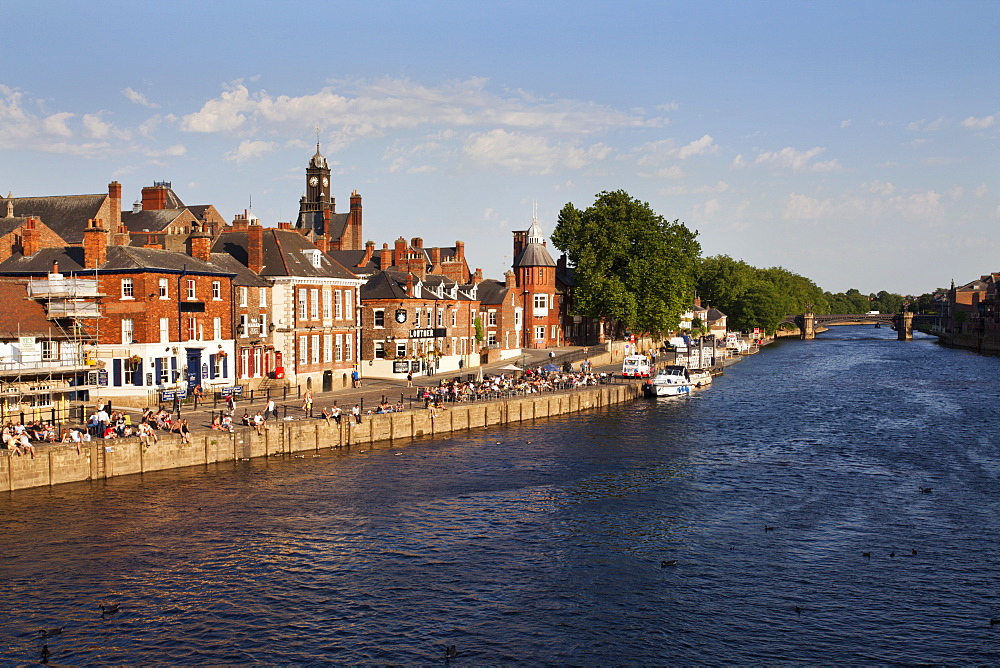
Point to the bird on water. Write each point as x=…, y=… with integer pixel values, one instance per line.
x=866, y=555
x=109, y=608
x=450, y=652
x=668, y=562
x=48, y=633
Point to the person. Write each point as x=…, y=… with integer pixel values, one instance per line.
x=198, y=392
x=335, y=413
x=307, y=403
x=356, y=412
x=326, y=415
x=409, y=379
x=231, y=403
x=227, y=424
x=355, y=378
x=216, y=422
x=185, y=432
x=102, y=420
x=259, y=422
x=246, y=419
x=271, y=409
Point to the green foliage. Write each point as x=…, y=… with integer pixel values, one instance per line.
x=478, y=322
x=753, y=297
x=630, y=264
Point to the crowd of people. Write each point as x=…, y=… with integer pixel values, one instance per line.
x=533, y=381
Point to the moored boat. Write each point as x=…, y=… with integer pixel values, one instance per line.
x=700, y=377
x=670, y=381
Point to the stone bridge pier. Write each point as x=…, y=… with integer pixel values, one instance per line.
x=904, y=330
x=808, y=328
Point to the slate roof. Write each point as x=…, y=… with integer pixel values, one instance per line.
x=534, y=255
x=715, y=315
x=384, y=286
x=22, y=316
x=155, y=220
x=313, y=220
x=349, y=259
x=243, y=274
x=119, y=259
x=490, y=292
x=8, y=225
x=284, y=254
x=66, y=215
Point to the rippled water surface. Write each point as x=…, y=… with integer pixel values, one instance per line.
x=543, y=542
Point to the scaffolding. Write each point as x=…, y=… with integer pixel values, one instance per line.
x=46, y=376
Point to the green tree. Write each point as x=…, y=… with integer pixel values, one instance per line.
x=631, y=265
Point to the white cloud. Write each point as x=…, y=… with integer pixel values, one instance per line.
x=174, y=151
x=56, y=124
x=974, y=123
x=789, y=158
x=669, y=106
x=697, y=147
x=95, y=127
x=249, y=150
x=673, y=191
x=674, y=172
x=879, y=188
x=846, y=124
x=531, y=154
x=373, y=108
x=138, y=98
x=981, y=190
x=738, y=162
x=802, y=207
x=924, y=126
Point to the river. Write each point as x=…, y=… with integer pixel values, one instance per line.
x=544, y=543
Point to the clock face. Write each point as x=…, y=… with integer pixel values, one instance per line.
x=313, y=181
x=400, y=315
x=326, y=182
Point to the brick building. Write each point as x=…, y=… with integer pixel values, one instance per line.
x=161, y=218
x=308, y=329
x=420, y=324
x=318, y=218
x=501, y=314
x=535, y=275
x=24, y=235
x=165, y=317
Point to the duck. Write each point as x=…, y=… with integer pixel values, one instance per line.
x=111, y=608
x=798, y=610
x=668, y=562
x=926, y=490
x=866, y=555
x=48, y=633
x=767, y=528
x=450, y=652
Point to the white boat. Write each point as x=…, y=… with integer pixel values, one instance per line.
x=700, y=377
x=671, y=381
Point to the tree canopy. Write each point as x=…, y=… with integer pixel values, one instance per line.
x=753, y=297
x=630, y=264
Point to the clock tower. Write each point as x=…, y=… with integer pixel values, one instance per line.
x=318, y=217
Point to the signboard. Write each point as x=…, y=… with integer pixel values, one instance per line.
x=415, y=367
x=400, y=367
x=167, y=395
x=204, y=369
x=102, y=378
x=27, y=344
x=226, y=391
x=436, y=332
x=401, y=315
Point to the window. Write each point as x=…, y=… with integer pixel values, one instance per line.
x=400, y=349
x=314, y=255
x=491, y=318
x=348, y=311
x=416, y=317
x=491, y=339
x=164, y=330
x=328, y=347
x=430, y=314
x=216, y=290
x=326, y=304
x=314, y=304
x=218, y=365
x=440, y=318
x=517, y=318
x=192, y=328
x=541, y=302
x=541, y=273
x=379, y=317
x=347, y=347
x=338, y=306
x=454, y=317
x=262, y=297
x=190, y=289
x=243, y=327
x=315, y=348
x=164, y=288
x=164, y=367
x=216, y=328
x=48, y=349
x=339, y=350
x=130, y=370
x=553, y=332
x=379, y=350
x=540, y=332
x=128, y=289
x=303, y=350
x=263, y=324
x=128, y=331
x=302, y=304
x=242, y=292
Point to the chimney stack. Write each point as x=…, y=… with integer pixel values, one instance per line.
x=510, y=281
x=409, y=284
x=95, y=244
x=477, y=276
x=151, y=242
x=121, y=236
x=154, y=197
x=200, y=245
x=385, y=258
x=369, y=251
x=460, y=250
x=115, y=202
x=352, y=241
x=399, y=253
x=30, y=237
x=255, y=248
x=284, y=226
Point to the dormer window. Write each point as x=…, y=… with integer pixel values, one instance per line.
x=315, y=257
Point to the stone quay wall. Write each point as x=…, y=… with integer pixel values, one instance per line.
x=61, y=463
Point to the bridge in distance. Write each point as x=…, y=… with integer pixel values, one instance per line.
x=901, y=322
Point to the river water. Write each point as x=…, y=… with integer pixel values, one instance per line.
x=544, y=542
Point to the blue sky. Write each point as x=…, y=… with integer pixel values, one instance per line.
x=855, y=143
